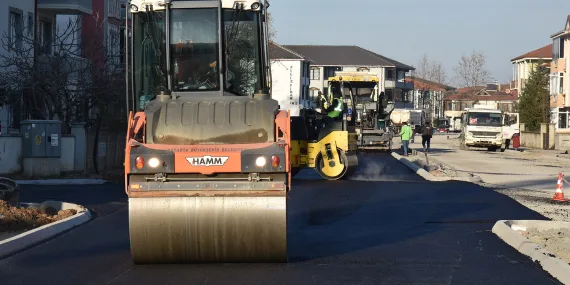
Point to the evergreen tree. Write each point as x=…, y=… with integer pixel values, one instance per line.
x=534, y=102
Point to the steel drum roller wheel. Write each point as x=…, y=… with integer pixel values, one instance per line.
x=349, y=163
x=208, y=229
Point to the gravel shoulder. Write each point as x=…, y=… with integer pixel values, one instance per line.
x=529, y=177
x=556, y=241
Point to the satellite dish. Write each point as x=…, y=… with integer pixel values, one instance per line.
x=508, y=91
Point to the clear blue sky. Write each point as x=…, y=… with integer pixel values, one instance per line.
x=444, y=29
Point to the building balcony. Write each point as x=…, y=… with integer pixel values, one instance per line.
x=65, y=7
x=404, y=85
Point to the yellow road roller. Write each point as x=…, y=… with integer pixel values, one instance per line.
x=324, y=143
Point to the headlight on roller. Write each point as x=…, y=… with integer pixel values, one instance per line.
x=153, y=162
x=260, y=161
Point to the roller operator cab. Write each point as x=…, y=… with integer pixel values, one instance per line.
x=207, y=158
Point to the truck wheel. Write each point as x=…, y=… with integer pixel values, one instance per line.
x=507, y=144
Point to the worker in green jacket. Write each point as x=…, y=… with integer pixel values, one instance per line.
x=335, y=109
x=406, y=134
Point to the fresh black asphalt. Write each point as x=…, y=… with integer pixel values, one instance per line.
x=384, y=226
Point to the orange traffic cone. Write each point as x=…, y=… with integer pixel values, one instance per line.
x=559, y=195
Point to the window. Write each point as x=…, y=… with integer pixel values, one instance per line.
x=564, y=118
x=562, y=48
x=315, y=73
x=30, y=28
x=561, y=79
x=114, y=42
x=390, y=74
x=15, y=28
x=115, y=9
x=45, y=37
x=556, y=49
x=389, y=94
x=330, y=71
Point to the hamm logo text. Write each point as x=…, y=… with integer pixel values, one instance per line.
x=207, y=160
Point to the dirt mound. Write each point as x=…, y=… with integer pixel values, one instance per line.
x=555, y=241
x=22, y=219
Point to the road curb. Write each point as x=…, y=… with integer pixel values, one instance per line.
x=555, y=266
x=418, y=170
x=37, y=235
x=472, y=179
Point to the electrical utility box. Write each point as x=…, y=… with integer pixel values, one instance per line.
x=41, y=138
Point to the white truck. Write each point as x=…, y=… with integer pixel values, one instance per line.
x=483, y=126
x=454, y=118
x=399, y=116
x=511, y=126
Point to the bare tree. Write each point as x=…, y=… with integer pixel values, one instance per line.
x=470, y=70
x=430, y=70
x=43, y=75
x=60, y=78
x=437, y=73
x=423, y=68
x=271, y=31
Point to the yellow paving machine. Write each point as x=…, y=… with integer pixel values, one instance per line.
x=371, y=110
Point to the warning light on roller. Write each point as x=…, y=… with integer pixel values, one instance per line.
x=260, y=161
x=275, y=161
x=139, y=162
x=153, y=162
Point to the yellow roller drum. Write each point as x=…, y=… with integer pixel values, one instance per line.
x=208, y=229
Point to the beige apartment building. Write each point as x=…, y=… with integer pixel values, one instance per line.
x=560, y=86
x=560, y=79
x=524, y=64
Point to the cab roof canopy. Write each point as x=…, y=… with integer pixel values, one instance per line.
x=138, y=5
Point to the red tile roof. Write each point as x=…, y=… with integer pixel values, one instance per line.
x=543, y=52
x=477, y=93
x=420, y=83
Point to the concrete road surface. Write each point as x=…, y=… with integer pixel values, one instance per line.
x=531, y=169
x=385, y=226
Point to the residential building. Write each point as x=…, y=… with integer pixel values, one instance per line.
x=524, y=64
x=29, y=20
x=289, y=78
x=498, y=96
x=428, y=95
x=18, y=26
x=560, y=78
x=326, y=60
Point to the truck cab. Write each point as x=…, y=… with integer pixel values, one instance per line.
x=511, y=126
x=482, y=127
